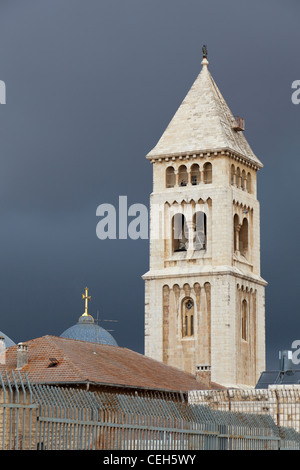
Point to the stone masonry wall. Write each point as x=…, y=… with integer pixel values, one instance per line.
x=282, y=402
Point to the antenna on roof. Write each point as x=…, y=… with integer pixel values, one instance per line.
x=96, y=322
x=96, y=331
x=102, y=319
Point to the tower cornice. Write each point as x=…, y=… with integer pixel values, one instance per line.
x=207, y=153
x=205, y=273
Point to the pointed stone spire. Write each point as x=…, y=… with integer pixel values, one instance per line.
x=203, y=123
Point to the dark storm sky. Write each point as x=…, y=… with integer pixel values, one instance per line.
x=91, y=86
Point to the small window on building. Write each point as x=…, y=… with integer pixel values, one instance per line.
x=182, y=176
x=187, y=317
x=195, y=174
x=244, y=320
x=207, y=173
x=170, y=177
x=179, y=233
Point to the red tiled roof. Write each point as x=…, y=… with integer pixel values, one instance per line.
x=83, y=362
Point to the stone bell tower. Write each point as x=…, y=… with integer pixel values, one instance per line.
x=204, y=296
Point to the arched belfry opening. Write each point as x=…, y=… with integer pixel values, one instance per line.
x=207, y=173
x=195, y=174
x=243, y=238
x=170, y=177
x=200, y=224
x=180, y=235
x=182, y=175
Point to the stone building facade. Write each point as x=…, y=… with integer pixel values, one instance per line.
x=282, y=402
x=204, y=295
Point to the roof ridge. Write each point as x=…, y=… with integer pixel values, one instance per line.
x=112, y=366
x=152, y=359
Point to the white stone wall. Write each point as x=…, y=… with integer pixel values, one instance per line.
x=281, y=402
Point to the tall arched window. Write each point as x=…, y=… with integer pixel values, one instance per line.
x=207, y=173
x=249, y=183
x=195, y=174
x=199, y=220
x=179, y=233
x=244, y=325
x=170, y=177
x=243, y=182
x=237, y=177
x=236, y=228
x=187, y=315
x=232, y=174
x=182, y=175
x=243, y=239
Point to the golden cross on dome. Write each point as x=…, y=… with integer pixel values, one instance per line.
x=86, y=297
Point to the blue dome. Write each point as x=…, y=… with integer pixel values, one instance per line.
x=87, y=330
x=8, y=342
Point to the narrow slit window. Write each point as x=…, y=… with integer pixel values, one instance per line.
x=187, y=317
x=244, y=320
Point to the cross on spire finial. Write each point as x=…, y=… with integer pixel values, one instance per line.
x=204, y=60
x=86, y=298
